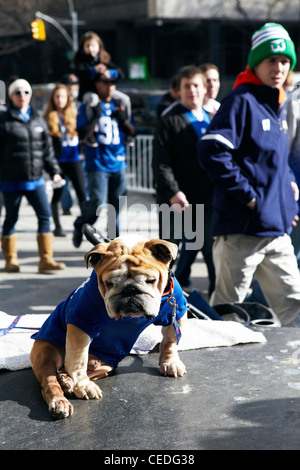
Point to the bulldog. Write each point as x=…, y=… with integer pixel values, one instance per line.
x=89, y=333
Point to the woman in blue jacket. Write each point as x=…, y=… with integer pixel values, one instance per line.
x=245, y=152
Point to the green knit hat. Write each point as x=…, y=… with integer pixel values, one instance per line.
x=271, y=39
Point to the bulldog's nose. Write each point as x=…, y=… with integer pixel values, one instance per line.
x=130, y=290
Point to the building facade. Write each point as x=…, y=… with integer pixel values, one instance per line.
x=149, y=39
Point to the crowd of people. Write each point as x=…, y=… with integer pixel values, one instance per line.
x=238, y=159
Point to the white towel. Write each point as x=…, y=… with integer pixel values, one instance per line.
x=16, y=344
x=197, y=334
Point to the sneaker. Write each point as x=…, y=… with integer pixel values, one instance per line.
x=58, y=232
x=77, y=237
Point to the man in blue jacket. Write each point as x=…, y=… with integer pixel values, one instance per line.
x=245, y=152
x=106, y=119
x=178, y=178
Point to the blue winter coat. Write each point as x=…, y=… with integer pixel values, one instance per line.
x=245, y=151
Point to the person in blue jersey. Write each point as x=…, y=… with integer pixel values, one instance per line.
x=245, y=151
x=26, y=151
x=178, y=177
x=105, y=162
x=61, y=117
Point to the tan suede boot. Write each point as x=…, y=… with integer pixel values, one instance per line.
x=47, y=263
x=9, y=248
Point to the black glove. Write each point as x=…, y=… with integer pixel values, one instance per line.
x=120, y=115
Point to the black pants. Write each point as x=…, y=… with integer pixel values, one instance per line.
x=75, y=173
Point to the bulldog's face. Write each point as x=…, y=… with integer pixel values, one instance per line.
x=132, y=274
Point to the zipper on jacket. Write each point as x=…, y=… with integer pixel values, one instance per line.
x=279, y=124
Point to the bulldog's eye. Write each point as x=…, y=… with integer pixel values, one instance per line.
x=108, y=284
x=150, y=281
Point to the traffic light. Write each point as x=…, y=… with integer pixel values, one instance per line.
x=38, y=30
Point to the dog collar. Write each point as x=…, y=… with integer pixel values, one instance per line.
x=170, y=286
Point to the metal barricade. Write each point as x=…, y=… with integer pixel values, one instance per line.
x=139, y=160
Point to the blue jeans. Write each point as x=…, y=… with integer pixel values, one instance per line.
x=39, y=202
x=104, y=188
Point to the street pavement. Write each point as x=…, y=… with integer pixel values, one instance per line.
x=29, y=292
x=239, y=398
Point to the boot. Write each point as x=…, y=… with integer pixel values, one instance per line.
x=47, y=263
x=9, y=248
x=58, y=231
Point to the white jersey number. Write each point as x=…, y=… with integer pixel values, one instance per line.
x=109, y=131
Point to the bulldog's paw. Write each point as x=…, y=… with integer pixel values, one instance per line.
x=174, y=368
x=87, y=389
x=60, y=408
x=66, y=382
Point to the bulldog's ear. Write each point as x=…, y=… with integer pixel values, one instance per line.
x=95, y=255
x=162, y=250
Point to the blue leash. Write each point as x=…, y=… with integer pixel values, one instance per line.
x=4, y=331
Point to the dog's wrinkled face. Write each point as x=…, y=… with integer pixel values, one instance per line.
x=132, y=274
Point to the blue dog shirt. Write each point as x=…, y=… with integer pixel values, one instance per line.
x=111, y=340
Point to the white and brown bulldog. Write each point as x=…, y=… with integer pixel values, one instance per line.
x=96, y=326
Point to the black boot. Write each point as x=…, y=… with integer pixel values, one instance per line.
x=58, y=231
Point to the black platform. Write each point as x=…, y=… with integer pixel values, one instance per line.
x=241, y=397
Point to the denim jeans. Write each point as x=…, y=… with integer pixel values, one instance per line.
x=104, y=188
x=39, y=202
